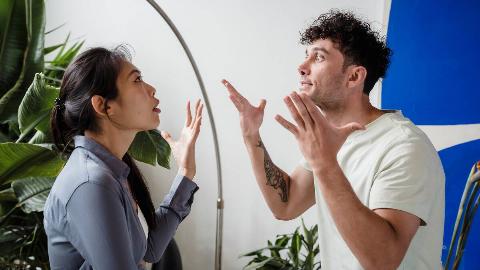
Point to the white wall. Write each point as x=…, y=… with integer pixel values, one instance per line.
x=255, y=45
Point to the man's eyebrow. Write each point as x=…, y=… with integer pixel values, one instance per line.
x=315, y=49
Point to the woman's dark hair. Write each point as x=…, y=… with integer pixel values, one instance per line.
x=359, y=44
x=94, y=72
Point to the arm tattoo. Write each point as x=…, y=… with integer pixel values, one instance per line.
x=275, y=177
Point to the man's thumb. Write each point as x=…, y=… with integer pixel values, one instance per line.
x=352, y=127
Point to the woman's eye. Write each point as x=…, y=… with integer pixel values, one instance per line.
x=139, y=79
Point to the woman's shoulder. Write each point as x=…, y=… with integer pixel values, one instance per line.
x=83, y=168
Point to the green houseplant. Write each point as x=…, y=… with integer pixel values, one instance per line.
x=296, y=251
x=28, y=163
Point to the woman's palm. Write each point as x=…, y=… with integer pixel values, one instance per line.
x=183, y=149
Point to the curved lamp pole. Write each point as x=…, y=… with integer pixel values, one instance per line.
x=219, y=226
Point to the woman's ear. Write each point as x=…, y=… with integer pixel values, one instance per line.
x=98, y=104
x=357, y=77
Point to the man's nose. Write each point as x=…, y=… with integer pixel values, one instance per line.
x=303, y=68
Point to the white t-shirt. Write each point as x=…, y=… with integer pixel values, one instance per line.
x=391, y=164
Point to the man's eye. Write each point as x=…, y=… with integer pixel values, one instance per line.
x=319, y=57
x=139, y=79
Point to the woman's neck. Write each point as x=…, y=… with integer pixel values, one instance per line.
x=115, y=141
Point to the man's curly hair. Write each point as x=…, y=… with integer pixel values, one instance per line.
x=359, y=44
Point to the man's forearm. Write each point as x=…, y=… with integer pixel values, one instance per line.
x=273, y=182
x=275, y=177
x=370, y=237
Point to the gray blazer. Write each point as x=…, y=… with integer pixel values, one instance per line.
x=90, y=219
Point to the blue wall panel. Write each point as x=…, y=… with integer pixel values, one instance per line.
x=433, y=79
x=435, y=70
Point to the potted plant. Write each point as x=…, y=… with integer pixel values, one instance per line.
x=296, y=251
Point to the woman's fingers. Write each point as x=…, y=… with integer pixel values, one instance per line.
x=286, y=124
x=197, y=105
x=199, y=110
x=196, y=128
x=167, y=137
x=195, y=115
x=189, y=115
x=197, y=122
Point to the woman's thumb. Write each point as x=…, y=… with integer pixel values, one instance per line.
x=166, y=136
x=262, y=105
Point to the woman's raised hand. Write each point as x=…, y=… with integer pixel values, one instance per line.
x=183, y=149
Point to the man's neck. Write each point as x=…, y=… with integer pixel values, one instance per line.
x=114, y=140
x=358, y=110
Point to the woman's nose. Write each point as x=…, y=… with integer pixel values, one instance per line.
x=151, y=89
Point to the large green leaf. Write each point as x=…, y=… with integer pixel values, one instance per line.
x=23, y=160
x=150, y=147
x=32, y=62
x=41, y=138
x=32, y=192
x=36, y=106
x=13, y=42
x=8, y=195
x=5, y=11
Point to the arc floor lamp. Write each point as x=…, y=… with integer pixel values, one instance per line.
x=219, y=224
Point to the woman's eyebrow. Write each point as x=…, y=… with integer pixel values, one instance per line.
x=134, y=71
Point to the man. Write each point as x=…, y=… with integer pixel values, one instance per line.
x=375, y=177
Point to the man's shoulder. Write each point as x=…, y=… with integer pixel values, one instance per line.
x=408, y=146
x=399, y=130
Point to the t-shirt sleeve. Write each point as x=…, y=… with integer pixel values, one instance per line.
x=406, y=180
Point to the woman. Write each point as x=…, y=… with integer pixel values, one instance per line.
x=91, y=214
